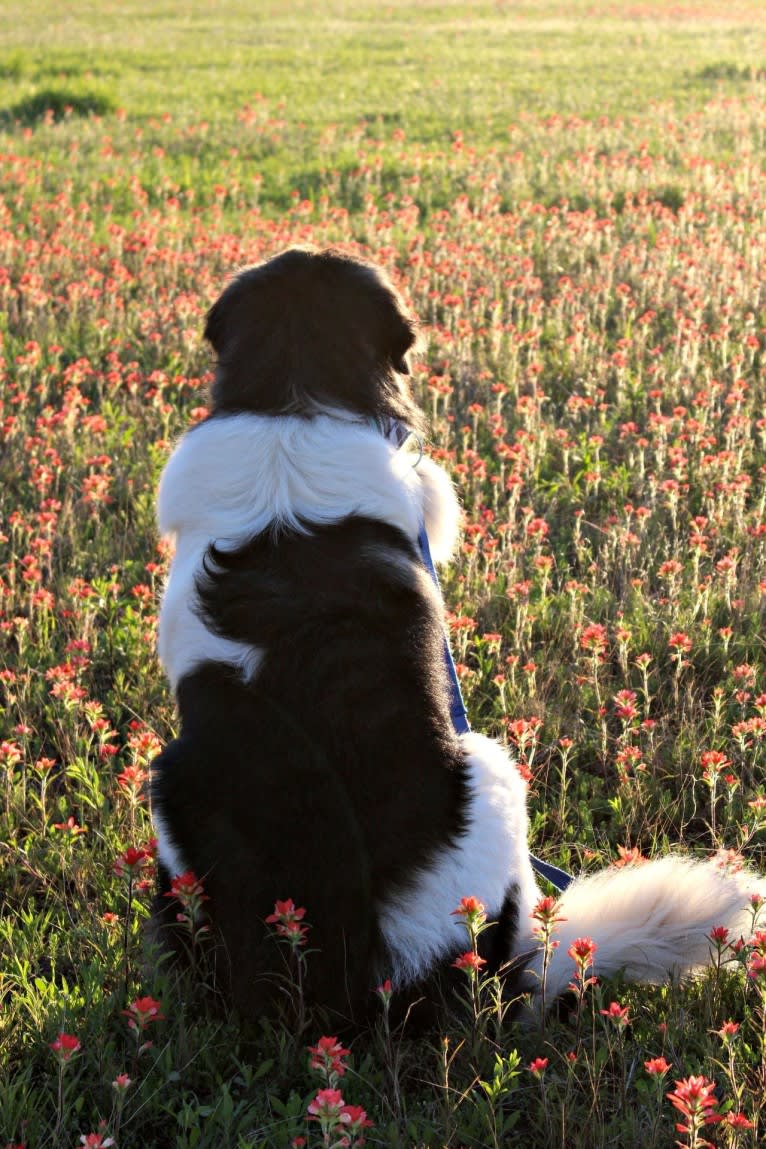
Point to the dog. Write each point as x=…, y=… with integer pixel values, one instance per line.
x=303, y=639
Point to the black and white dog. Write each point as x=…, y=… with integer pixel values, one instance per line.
x=303, y=639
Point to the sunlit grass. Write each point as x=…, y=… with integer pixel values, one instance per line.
x=572, y=198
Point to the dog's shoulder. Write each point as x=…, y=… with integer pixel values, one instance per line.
x=355, y=574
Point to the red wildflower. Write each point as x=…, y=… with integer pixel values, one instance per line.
x=758, y=942
x=594, y=638
x=10, y=754
x=470, y=907
x=130, y=863
x=545, y=919
x=327, y=1056
x=327, y=1103
x=70, y=827
x=657, y=1066
x=629, y=856
x=142, y=1012
x=524, y=731
x=286, y=911
x=729, y=860
x=385, y=991
x=96, y=1141
x=582, y=951
x=719, y=936
x=473, y=916
x=132, y=779
x=694, y=1098
x=287, y=917
x=65, y=1047
x=625, y=704
x=617, y=1013
x=728, y=1030
x=469, y=961
x=756, y=969
x=189, y=891
x=738, y=1121
x=354, y=1118
x=713, y=762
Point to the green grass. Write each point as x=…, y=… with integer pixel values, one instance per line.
x=433, y=66
x=572, y=198
x=431, y=69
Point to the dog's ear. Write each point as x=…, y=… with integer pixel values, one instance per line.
x=214, y=325
x=399, y=334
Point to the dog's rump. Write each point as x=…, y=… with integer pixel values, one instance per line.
x=230, y=814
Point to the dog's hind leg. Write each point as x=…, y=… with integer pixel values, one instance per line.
x=252, y=843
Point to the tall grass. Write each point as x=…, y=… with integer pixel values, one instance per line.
x=589, y=267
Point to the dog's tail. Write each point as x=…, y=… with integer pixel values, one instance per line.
x=652, y=921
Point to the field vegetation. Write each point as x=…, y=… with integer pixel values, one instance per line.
x=573, y=198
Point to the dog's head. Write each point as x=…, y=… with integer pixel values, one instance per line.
x=310, y=331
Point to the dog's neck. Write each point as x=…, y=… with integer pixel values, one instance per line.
x=238, y=475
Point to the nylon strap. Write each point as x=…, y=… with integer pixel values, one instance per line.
x=553, y=874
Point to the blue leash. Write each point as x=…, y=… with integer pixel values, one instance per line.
x=553, y=874
x=457, y=708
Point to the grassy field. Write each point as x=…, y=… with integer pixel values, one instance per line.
x=572, y=197
x=318, y=74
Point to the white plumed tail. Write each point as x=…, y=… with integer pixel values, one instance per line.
x=652, y=921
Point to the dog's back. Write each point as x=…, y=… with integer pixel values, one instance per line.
x=331, y=777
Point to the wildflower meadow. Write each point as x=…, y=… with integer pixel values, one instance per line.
x=573, y=199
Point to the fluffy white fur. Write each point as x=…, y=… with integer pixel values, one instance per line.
x=183, y=639
x=487, y=859
x=167, y=850
x=651, y=921
x=441, y=510
x=233, y=477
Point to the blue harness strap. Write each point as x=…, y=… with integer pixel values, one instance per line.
x=457, y=708
x=553, y=874
x=557, y=877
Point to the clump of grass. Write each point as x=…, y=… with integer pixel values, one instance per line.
x=49, y=105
